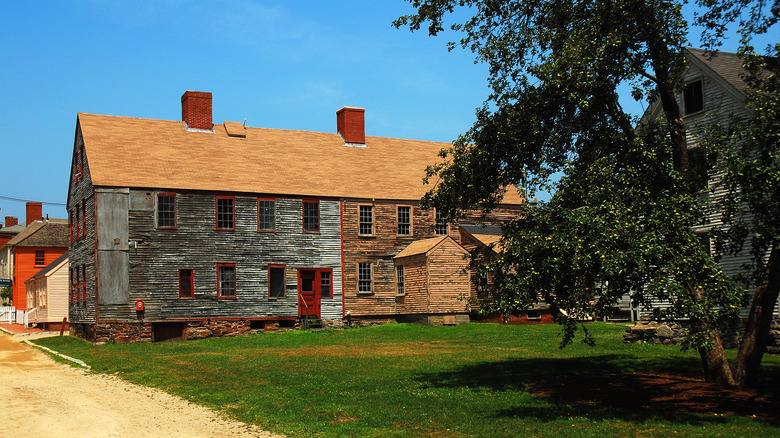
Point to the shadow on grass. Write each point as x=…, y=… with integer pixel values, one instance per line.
x=611, y=387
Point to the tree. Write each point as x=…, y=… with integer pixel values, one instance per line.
x=620, y=220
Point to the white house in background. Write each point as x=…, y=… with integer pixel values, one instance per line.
x=47, y=295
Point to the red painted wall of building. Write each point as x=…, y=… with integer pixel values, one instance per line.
x=25, y=267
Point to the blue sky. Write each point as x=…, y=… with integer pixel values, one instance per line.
x=287, y=65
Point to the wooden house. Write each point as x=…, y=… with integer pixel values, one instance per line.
x=40, y=243
x=183, y=229
x=713, y=91
x=47, y=295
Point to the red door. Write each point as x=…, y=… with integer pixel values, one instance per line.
x=309, y=292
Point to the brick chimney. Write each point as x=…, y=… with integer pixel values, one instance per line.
x=196, y=109
x=10, y=221
x=34, y=212
x=351, y=124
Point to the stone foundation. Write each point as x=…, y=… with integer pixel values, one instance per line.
x=218, y=329
x=654, y=332
x=773, y=343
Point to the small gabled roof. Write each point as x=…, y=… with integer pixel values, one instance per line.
x=51, y=266
x=148, y=153
x=489, y=238
x=49, y=233
x=425, y=246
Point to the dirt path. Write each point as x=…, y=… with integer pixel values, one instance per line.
x=40, y=397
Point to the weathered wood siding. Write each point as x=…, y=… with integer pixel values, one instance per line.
x=415, y=298
x=378, y=249
x=82, y=250
x=448, y=279
x=156, y=255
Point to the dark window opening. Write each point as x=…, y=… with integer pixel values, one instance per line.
x=698, y=169
x=693, y=97
x=40, y=258
x=186, y=283
x=276, y=285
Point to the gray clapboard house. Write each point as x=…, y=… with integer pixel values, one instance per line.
x=713, y=91
x=188, y=228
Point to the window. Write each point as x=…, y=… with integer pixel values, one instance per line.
x=441, y=224
x=70, y=224
x=40, y=258
x=81, y=163
x=325, y=286
x=186, y=283
x=697, y=165
x=482, y=285
x=311, y=216
x=77, y=284
x=704, y=241
x=693, y=97
x=76, y=170
x=266, y=215
x=366, y=220
x=71, y=285
x=226, y=280
x=399, y=279
x=276, y=283
x=84, y=217
x=226, y=213
x=364, y=278
x=166, y=210
x=84, y=282
x=77, y=223
x=404, y=220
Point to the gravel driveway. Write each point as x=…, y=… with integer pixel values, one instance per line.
x=43, y=398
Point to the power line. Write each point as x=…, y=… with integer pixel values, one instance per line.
x=8, y=198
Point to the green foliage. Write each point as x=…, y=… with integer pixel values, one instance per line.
x=407, y=380
x=6, y=295
x=620, y=220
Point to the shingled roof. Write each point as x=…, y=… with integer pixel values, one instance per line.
x=146, y=153
x=727, y=65
x=49, y=233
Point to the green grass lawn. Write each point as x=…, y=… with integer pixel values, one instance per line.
x=409, y=380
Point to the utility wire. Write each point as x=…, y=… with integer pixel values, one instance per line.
x=8, y=198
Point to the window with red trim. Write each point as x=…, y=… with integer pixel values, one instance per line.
x=186, y=283
x=81, y=160
x=70, y=277
x=70, y=225
x=311, y=216
x=78, y=286
x=326, y=286
x=226, y=280
x=84, y=217
x=166, y=210
x=226, y=212
x=77, y=235
x=84, y=282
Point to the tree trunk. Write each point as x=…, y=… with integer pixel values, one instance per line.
x=754, y=339
x=715, y=364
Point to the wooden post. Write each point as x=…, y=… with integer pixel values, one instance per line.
x=62, y=327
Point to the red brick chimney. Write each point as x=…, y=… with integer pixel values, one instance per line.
x=34, y=212
x=196, y=109
x=10, y=221
x=351, y=124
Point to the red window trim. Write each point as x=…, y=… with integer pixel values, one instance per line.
x=216, y=212
x=175, y=210
x=192, y=284
x=266, y=230
x=83, y=217
x=269, y=281
x=330, y=271
x=71, y=278
x=78, y=235
x=303, y=215
x=70, y=224
x=235, y=281
x=84, y=281
x=81, y=167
